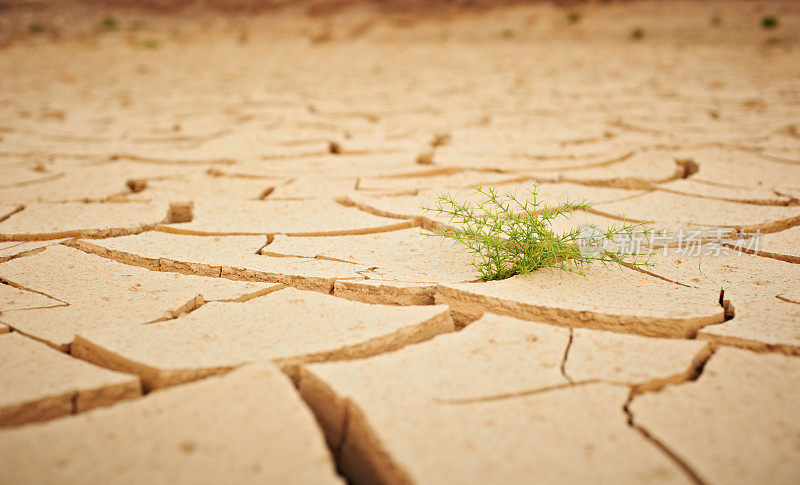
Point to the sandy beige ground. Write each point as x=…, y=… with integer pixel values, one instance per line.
x=248, y=426
x=226, y=198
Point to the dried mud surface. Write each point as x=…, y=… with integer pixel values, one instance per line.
x=214, y=262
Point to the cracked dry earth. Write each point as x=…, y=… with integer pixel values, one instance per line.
x=213, y=269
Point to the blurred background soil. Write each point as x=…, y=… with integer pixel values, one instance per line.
x=323, y=21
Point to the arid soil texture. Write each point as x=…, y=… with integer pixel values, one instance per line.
x=215, y=267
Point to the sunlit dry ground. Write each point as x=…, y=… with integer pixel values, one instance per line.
x=198, y=203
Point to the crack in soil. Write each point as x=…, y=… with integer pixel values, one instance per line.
x=701, y=361
x=198, y=301
x=518, y=394
x=563, y=366
x=345, y=232
x=787, y=300
x=21, y=254
x=5, y=281
x=788, y=258
x=13, y=211
x=201, y=269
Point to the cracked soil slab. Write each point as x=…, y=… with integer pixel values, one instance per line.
x=306, y=217
x=405, y=256
x=74, y=219
x=40, y=383
x=672, y=211
x=15, y=249
x=88, y=182
x=736, y=423
x=232, y=257
x=757, y=195
x=187, y=187
x=287, y=327
x=617, y=299
x=248, y=426
x=487, y=404
x=103, y=293
x=643, y=362
x=12, y=298
x=758, y=319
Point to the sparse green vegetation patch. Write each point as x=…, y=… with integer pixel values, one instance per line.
x=769, y=22
x=511, y=236
x=109, y=23
x=151, y=43
x=36, y=28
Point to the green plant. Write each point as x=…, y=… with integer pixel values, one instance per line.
x=573, y=17
x=769, y=22
x=109, y=23
x=508, y=33
x=716, y=20
x=637, y=33
x=151, y=44
x=36, y=28
x=511, y=236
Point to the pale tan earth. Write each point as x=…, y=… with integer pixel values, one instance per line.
x=288, y=327
x=232, y=257
x=741, y=411
x=79, y=219
x=214, y=250
x=652, y=307
x=15, y=249
x=248, y=427
x=488, y=403
x=87, y=291
x=41, y=383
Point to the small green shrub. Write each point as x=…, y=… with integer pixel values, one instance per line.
x=151, y=43
x=36, y=28
x=109, y=23
x=716, y=21
x=510, y=236
x=769, y=22
x=508, y=33
x=637, y=33
x=573, y=17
